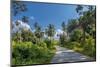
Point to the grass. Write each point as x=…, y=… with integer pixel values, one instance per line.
x=81, y=49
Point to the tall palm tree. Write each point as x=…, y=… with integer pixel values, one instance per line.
x=64, y=36
x=85, y=19
x=18, y=7
x=72, y=24
x=50, y=31
x=63, y=26
x=79, y=9
x=38, y=33
x=19, y=31
x=25, y=19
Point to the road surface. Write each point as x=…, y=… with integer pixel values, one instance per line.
x=67, y=55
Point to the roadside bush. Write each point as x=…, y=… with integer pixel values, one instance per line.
x=23, y=52
x=72, y=45
x=47, y=41
x=42, y=44
x=29, y=53
x=55, y=42
x=51, y=43
x=76, y=35
x=90, y=47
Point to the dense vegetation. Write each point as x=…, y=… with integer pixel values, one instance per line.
x=30, y=47
x=81, y=32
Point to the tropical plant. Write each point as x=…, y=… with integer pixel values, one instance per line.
x=63, y=26
x=76, y=35
x=25, y=19
x=38, y=32
x=72, y=24
x=50, y=30
x=86, y=19
x=18, y=7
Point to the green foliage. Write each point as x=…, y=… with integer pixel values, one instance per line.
x=38, y=33
x=63, y=26
x=82, y=32
x=29, y=53
x=72, y=45
x=79, y=9
x=22, y=52
x=90, y=47
x=55, y=42
x=25, y=19
x=31, y=48
x=76, y=35
x=16, y=36
x=27, y=35
x=63, y=39
x=51, y=43
x=18, y=7
x=50, y=31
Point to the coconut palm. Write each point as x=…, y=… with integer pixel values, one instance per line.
x=63, y=26
x=25, y=19
x=18, y=7
x=72, y=24
x=19, y=31
x=50, y=31
x=38, y=32
x=85, y=19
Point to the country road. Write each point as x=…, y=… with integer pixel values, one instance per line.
x=65, y=55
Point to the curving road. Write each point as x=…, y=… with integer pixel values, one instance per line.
x=66, y=55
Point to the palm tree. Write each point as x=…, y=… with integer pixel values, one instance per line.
x=18, y=7
x=25, y=19
x=38, y=33
x=19, y=31
x=85, y=19
x=36, y=26
x=63, y=26
x=50, y=31
x=79, y=9
x=82, y=20
x=72, y=24
x=63, y=37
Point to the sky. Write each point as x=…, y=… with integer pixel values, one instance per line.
x=46, y=14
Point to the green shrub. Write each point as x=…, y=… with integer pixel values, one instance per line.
x=90, y=47
x=72, y=45
x=76, y=35
x=51, y=43
x=42, y=44
x=29, y=53
x=47, y=41
x=23, y=52
x=55, y=42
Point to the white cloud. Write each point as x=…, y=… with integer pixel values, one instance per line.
x=58, y=32
x=32, y=17
x=21, y=25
